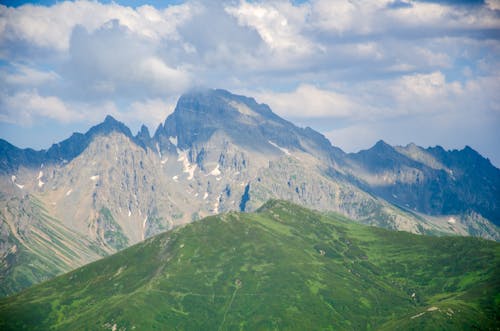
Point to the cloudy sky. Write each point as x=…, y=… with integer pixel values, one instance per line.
x=358, y=71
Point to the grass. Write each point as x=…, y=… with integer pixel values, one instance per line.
x=281, y=268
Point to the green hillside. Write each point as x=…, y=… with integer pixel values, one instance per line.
x=282, y=268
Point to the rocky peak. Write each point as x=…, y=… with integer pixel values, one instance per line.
x=143, y=138
x=248, y=124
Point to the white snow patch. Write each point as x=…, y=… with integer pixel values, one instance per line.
x=187, y=166
x=129, y=212
x=175, y=178
x=69, y=192
x=284, y=150
x=164, y=161
x=196, y=194
x=216, y=205
x=452, y=220
x=205, y=196
x=40, y=183
x=432, y=308
x=173, y=140
x=216, y=171
x=144, y=227
x=158, y=150
x=13, y=178
x=218, y=178
x=40, y=175
x=94, y=178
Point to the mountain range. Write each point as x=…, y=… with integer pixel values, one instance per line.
x=97, y=193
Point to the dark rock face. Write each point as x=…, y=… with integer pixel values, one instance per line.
x=450, y=182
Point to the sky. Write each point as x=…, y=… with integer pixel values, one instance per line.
x=358, y=71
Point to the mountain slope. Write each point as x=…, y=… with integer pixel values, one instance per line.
x=36, y=247
x=284, y=267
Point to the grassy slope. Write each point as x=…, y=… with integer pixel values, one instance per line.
x=284, y=267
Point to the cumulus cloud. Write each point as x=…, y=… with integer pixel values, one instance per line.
x=279, y=24
x=310, y=102
x=23, y=108
x=51, y=27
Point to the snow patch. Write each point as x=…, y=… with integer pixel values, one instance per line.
x=13, y=178
x=69, y=192
x=94, y=178
x=187, y=166
x=218, y=178
x=176, y=178
x=40, y=183
x=173, y=140
x=40, y=175
x=217, y=204
x=144, y=227
x=164, y=161
x=129, y=212
x=284, y=150
x=452, y=220
x=216, y=171
x=158, y=150
x=205, y=196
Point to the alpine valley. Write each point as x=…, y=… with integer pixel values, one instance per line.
x=97, y=193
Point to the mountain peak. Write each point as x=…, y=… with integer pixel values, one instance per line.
x=201, y=113
x=110, y=119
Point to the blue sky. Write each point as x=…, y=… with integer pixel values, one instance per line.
x=358, y=71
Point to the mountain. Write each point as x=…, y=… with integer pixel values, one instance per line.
x=107, y=189
x=431, y=181
x=283, y=267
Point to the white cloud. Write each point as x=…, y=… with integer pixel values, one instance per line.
x=278, y=23
x=25, y=107
x=51, y=27
x=154, y=72
x=367, y=17
x=27, y=76
x=150, y=112
x=310, y=102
